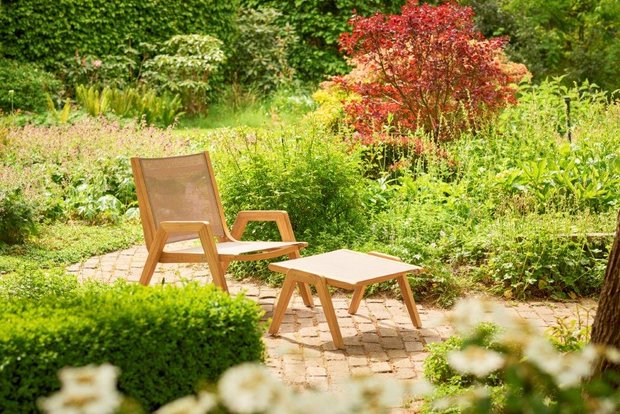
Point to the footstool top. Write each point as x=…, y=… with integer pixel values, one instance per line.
x=347, y=268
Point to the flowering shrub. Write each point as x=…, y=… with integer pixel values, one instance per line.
x=244, y=389
x=427, y=68
x=535, y=376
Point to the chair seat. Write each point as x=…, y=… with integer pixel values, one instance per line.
x=242, y=247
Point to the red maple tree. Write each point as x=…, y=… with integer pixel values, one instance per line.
x=426, y=68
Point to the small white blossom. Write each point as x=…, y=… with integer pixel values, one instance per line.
x=612, y=355
x=374, y=394
x=311, y=402
x=475, y=360
x=86, y=390
x=250, y=388
x=190, y=405
x=421, y=388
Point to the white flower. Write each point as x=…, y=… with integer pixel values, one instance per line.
x=190, y=405
x=250, y=388
x=373, y=394
x=421, y=388
x=86, y=390
x=567, y=369
x=475, y=360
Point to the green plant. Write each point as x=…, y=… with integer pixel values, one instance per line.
x=166, y=340
x=318, y=24
x=61, y=244
x=571, y=334
x=17, y=215
x=37, y=31
x=25, y=86
x=187, y=66
x=261, y=50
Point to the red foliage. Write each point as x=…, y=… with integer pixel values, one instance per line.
x=427, y=68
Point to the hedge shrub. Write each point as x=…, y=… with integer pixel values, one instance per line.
x=165, y=340
x=50, y=32
x=30, y=86
x=319, y=23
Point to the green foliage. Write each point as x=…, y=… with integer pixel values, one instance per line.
x=62, y=244
x=545, y=255
x=187, y=66
x=571, y=334
x=300, y=171
x=165, y=340
x=261, y=50
x=139, y=103
x=436, y=367
x=25, y=86
x=572, y=37
x=17, y=215
x=50, y=33
x=319, y=23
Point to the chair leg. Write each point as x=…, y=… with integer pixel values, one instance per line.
x=282, y=305
x=409, y=301
x=330, y=313
x=358, y=294
x=152, y=259
x=304, y=289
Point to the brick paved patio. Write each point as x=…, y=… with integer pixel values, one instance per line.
x=380, y=339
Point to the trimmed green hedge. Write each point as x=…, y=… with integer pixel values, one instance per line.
x=319, y=23
x=50, y=31
x=29, y=85
x=166, y=340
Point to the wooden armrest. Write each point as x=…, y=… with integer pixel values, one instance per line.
x=183, y=226
x=279, y=216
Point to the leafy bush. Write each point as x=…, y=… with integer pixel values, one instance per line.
x=25, y=86
x=428, y=68
x=165, y=339
x=525, y=371
x=301, y=171
x=187, y=66
x=319, y=23
x=261, y=50
x=17, y=215
x=50, y=33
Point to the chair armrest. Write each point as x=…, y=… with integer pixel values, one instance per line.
x=183, y=226
x=280, y=217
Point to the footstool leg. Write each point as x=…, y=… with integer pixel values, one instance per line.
x=409, y=301
x=282, y=305
x=358, y=294
x=330, y=314
x=306, y=294
x=304, y=289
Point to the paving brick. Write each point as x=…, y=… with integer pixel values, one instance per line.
x=380, y=338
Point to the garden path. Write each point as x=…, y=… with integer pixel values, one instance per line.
x=379, y=339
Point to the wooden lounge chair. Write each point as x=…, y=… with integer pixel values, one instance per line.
x=179, y=200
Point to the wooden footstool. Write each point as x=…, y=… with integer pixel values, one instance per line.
x=344, y=269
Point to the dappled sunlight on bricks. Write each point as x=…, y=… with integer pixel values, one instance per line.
x=380, y=339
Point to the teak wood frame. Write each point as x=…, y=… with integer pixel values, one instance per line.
x=294, y=276
x=156, y=236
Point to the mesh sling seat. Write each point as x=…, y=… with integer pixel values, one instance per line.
x=179, y=200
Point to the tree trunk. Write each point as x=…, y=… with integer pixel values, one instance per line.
x=606, y=327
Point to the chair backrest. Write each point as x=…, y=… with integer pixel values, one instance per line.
x=177, y=189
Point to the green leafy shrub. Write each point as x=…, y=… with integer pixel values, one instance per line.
x=50, y=33
x=115, y=71
x=319, y=23
x=17, y=215
x=301, y=171
x=261, y=50
x=165, y=340
x=25, y=87
x=187, y=66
